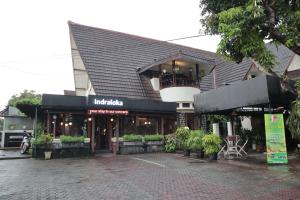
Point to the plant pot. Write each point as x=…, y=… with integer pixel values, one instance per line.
x=48, y=155
x=187, y=152
x=200, y=153
x=213, y=156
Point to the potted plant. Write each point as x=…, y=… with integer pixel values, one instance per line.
x=170, y=143
x=211, y=144
x=44, y=141
x=194, y=142
x=182, y=135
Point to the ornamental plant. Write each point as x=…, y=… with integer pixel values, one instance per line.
x=170, y=143
x=211, y=144
x=194, y=142
x=182, y=135
x=132, y=138
x=43, y=139
x=71, y=139
x=153, y=138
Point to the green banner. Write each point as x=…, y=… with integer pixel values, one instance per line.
x=275, y=139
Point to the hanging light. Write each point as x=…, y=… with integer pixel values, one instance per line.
x=111, y=119
x=70, y=123
x=61, y=123
x=89, y=119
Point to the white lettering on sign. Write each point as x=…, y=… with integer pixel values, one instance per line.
x=108, y=102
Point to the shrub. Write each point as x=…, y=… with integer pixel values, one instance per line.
x=133, y=138
x=43, y=139
x=170, y=143
x=194, y=142
x=153, y=138
x=182, y=135
x=211, y=144
x=71, y=139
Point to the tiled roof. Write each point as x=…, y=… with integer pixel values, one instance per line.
x=283, y=57
x=112, y=58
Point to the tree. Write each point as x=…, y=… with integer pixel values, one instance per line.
x=26, y=101
x=245, y=25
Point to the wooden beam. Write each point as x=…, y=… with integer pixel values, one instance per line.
x=117, y=134
x=162, y=125
x=93, y=134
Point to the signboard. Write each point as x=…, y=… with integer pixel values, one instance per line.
x=108, y=112
x=275, y=139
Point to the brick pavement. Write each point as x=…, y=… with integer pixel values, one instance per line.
x=146, y=176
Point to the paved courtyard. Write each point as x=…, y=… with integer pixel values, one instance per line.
x=147, y=176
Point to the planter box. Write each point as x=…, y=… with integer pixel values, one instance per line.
x=140, y=147
x=131, y=148
x=154, y=146
x=62, y=150
x=72, y=145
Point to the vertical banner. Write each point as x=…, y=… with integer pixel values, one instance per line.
x=275, y=139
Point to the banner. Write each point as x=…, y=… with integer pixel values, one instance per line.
x=275, y=139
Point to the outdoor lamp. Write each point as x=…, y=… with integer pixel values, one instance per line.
x=89, y=119
x=164, y=71
x=54, y=117
x=70, y=123
x=111, y=119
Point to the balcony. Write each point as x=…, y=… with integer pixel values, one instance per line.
x=177, y=80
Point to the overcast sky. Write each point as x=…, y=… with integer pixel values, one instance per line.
x=35, y=45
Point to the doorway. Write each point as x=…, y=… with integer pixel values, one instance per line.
x=102, y=133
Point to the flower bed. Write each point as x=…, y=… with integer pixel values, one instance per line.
x=66, y=146
x=133, y=144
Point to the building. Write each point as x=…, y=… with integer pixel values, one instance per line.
x=131, y=84
x=13, y=124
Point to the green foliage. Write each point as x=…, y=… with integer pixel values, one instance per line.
x=25, y=101
x=153, y=138
x=43, y=139
x=194, y=142
x=71, y=139
x=211, y=144
x=133, y=138
x=217, y=118
x=182, y=135
x=293, y=120
x=170, y=143
x=244, y=25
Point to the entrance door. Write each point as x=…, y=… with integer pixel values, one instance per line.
x=102, y=133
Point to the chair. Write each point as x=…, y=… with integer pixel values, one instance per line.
x=232, y=147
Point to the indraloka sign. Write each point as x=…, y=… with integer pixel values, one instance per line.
x=110, y=102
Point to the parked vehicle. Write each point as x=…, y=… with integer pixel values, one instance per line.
x=25, y=145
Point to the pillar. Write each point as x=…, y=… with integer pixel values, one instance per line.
x=93, y=134
x=216, y=128
x=162, y=126
x=117, y=134
x=229, y=128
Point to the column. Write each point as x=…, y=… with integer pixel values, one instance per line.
x=117, y=134
x=162, y=125
x=93, y=134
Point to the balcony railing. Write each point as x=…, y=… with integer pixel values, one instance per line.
x=177, y=80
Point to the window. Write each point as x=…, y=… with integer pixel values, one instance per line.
x=185, y=105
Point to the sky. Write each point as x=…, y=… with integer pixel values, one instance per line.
x=35, y=45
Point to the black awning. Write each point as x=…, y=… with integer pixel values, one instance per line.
x=65, y=102
x=260, y=91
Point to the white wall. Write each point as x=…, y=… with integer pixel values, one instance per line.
x=295, y=64
x=179, y=94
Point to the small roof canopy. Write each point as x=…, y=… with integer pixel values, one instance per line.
x=262, y=91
